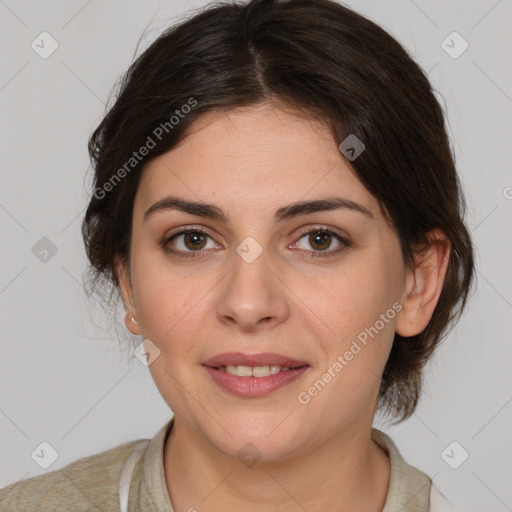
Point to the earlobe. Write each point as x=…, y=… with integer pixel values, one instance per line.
x=424, y=284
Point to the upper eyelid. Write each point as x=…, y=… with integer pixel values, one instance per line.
x=302, y=232
x=336, y=231
x=187, y=229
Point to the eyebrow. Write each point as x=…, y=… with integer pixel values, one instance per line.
x=290, y=211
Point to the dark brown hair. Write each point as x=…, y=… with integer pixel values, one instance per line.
x=327, y=61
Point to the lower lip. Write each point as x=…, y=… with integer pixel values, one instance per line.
x=254, y=386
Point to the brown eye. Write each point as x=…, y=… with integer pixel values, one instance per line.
x=194, y=240
x=189, y=241
x=319, y=242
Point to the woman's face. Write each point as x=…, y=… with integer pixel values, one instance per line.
x=255, y=282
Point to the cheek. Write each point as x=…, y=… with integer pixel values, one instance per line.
x=172, y=309
x=358, y=305
x=356, y=296
x=168, y=303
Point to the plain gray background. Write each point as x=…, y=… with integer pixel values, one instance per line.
x=64, y=381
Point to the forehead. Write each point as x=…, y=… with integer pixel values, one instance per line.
x=256, y=156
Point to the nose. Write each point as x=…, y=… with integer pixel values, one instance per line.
x=253, y=297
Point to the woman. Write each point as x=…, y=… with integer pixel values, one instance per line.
x=276, y=202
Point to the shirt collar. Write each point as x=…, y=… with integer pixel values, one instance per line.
x=150, y=487
x=409, y=488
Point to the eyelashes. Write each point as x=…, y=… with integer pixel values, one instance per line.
x=193, y=243
x=192, y=235
x=311, y=233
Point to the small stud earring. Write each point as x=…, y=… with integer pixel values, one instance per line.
x=134, y=321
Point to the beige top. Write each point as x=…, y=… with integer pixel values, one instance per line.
x=135, y=470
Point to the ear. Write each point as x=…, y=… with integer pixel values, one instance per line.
x=423, y=285
x=125, y=286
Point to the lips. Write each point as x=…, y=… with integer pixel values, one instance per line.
x=262, y=359
x=274, y=371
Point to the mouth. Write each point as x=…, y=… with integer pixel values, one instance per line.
x=261, y=360
x=253, y=375
x=256, y=371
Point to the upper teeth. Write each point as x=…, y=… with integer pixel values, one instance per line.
x=253, y=371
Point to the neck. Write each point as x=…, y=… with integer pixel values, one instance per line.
x=349, y=470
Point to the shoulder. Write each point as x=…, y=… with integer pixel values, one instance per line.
x=89, y=483
x=409, y=488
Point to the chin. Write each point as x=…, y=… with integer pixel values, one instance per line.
x=260, y=438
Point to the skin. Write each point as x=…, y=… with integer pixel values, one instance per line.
x=250, y=162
